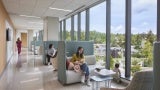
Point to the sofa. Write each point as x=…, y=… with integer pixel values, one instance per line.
x=67, y=49
x=73, y=77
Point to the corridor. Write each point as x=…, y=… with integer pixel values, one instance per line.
x=26, y=72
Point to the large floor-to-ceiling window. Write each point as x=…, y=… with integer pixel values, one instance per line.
x=68, y=29
x=98, y=31
x=117, y=41
x=143, y=34
x=75, y=26
x=83, y=25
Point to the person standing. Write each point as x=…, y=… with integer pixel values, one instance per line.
x=19, y=45
x=117, y=76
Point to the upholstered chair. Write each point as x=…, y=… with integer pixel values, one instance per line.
x=141, y=81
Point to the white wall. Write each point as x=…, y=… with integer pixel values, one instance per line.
x=51, y=29
x=10, y=44
x=30, y=38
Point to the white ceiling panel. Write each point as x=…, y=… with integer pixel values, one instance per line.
x=26, y=23
x=54, y=13
x=61, y=3
x=44, y=3
x=41, y=9
x=28, y=6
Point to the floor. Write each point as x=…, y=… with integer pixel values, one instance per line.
x=26, y=72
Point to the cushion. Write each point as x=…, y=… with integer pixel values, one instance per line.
x=90, y=59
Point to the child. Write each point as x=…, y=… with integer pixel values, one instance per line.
x=116, y=77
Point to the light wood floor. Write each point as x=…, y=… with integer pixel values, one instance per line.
x=26, y=72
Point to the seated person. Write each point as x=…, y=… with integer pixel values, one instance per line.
x=78, y=59
x=52, y=53
x=71, y=66
x=116, y=77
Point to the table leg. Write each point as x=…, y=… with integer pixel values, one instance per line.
x=109, y=83
x=97, y=86
x=106, y=82
x=93, y=85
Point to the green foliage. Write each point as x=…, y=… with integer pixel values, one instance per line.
x=97, y=37
x=147, y=53
x=137, y=55
x=111, y=62
x=135, y=62
x=83, y=36
x=135, y=68
x=118, y=40
x=104, y=58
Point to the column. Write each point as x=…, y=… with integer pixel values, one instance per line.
x=72, y=28
x=79, y=27
x=158, y=20
x=64, y=29
x=30, y=38
x=128, y=39
x=87, y=25
x=108, y=30
x=60, y=30
x=51, y=29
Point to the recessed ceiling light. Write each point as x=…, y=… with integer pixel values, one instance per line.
x=60, y=9
x=29, y=16
x=35, y=22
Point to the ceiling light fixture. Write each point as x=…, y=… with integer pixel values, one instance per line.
x=29, y=16
x=35, y=22
x=60, y=9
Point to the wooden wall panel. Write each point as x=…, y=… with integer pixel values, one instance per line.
x=3, y=17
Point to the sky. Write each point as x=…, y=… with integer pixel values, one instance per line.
x=144, y=17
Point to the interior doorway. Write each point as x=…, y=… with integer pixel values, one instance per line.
x=24, y=40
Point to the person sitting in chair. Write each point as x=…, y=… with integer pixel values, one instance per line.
x=52, y=53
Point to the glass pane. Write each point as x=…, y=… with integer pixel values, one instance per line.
x=143, y=34
x=83, y=24
x=68, y=29
x=75, y=26
x=117, y=41
x=98, y=31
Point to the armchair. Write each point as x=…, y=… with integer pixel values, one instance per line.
x=141, y=81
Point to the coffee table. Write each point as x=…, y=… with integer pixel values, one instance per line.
x=103, y=75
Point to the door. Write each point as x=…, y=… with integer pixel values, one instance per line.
x=24, y=40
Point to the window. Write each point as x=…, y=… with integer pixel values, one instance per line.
x=98, y=31
x=68, y=29
x=83, y=24
x=143, y=34
x=75, y=26
x=117, y=41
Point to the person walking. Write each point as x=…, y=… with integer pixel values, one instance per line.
x=19, y=45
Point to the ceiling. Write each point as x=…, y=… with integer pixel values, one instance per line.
x=40, y=8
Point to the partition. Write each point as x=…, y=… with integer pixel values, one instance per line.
x=67, y=48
